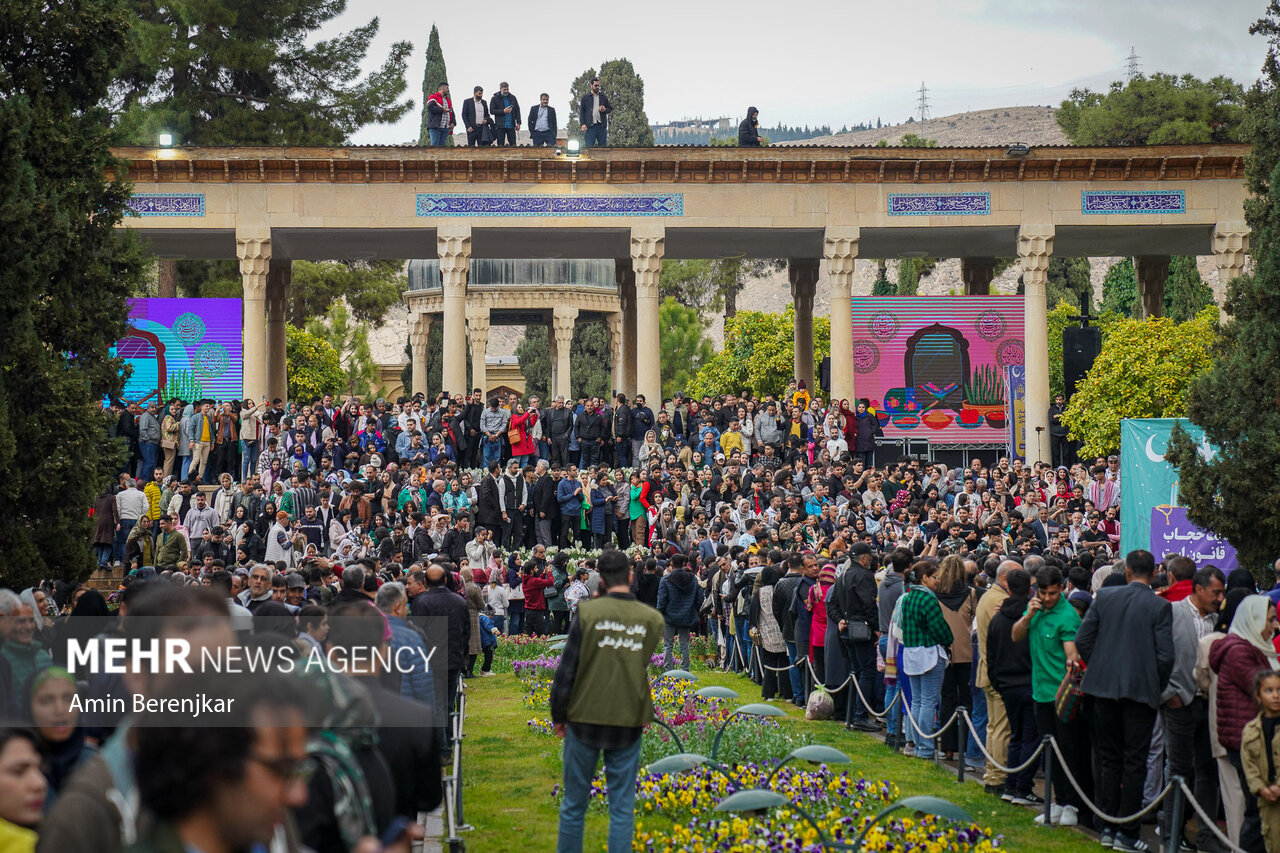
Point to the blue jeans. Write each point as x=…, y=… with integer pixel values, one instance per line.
x=186, y=466
x=597, y=135
x=104, y=554
x=438, y=137
x=893, y=722
x=148, y=461
x=622, y=452
x=249, y=459
x=926, y=691
x=620, y=769
x=122, y=536
x=979, y=716
x=491, y=451
x=499, y=622
x=744, y=642
x=797, y=674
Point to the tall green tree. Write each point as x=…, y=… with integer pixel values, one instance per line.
x=434, y=74
x=759, y=354
x=313, y=366
x=65, y=274
x=1068, y=278
x=1120, y=289
x=628, y=123
x=1060, y=319
x=714, y=285
x=590, y=362
x=1143, y=371
x=1162, y=109
x=1235, y=401
x=351, y=341
x=236, y=72
x=1185, y=293
x=910, y=271
x=683, y=345
x=882, y=285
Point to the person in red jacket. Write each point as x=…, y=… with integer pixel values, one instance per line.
x=1236, y=659
x=534, y=583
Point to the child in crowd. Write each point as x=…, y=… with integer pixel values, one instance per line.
x=1259, y=751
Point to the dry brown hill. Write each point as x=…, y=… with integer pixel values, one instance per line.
x=1002, y=126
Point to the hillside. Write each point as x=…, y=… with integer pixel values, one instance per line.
x=1003, y=126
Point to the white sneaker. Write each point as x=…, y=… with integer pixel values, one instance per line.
x=1070, y=816
x=486, y=674
x=1056, y=812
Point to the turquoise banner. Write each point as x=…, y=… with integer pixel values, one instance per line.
x=1150, y=516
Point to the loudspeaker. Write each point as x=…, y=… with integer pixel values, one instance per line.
x=1079, y=348
x=824, y=375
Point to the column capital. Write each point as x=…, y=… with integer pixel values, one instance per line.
x=563, y=320
x=254, y=254
x=803, y=274
x=1230, y=246
x=453, y=245
x=419, y=329
x=1035, y=241
x=478, y=317
x=840, y=250
x=648, y=245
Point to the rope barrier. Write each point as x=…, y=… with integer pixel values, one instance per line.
x=1205, y=821
x=906, y=709
x=982, y=747
x=1148, y=809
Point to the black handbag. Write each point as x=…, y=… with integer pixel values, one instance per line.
x=856, y=631
x=486, y=134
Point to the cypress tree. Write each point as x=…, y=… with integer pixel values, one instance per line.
x=628, y=124
x=1233, y=491
x=434, y=74
x=65, y=273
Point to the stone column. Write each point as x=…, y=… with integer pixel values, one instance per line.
x=840, y=250
x=279, y=276
x=453, y=245
x=419, y=334
x=478, y=338
x=614, y=322
x=647, y=246
x=1230, y=245
x=804, y=282
x=626, y=278
x=255, y=260
x=563, y=318
x=1151, y=272
x=977, y=274
x=1035, y=247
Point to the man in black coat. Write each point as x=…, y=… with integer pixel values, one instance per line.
x=853, y=602
x=749, y=130
x=557, y=421
x=590, y=426
x=542, y=123
x=506, y=115
x=436, y=610
x=491, y=497
x=1126, y=689
x=475, y=407
x=593, y=115
x=546, y=507
x=1009, y=670
x=475, y=118
x=455, y=541
x=622, y=432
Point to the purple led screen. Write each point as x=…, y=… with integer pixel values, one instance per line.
x=188, y=348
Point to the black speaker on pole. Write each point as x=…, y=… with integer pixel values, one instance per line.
x=824, y=375
x=1079, y=348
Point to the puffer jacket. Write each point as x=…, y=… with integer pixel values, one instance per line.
x=1236, y=662
x=679, y=597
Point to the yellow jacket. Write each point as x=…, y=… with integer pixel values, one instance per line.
x=729, y=442
x=152, y=491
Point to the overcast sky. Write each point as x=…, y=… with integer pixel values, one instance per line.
x=808, y=62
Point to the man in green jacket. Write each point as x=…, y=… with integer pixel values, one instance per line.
x=171, y=546
x=600, y=702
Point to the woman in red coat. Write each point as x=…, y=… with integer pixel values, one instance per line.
x=1236, y=659
x=523, y=423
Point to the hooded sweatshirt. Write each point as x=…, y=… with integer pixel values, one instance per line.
x=1008, y=663
x=891, y=589
x=678, y=599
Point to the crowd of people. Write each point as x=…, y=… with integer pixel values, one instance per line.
x=902, y=588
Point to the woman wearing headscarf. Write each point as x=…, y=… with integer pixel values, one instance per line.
x=56, y=719
x=88, y=618
x=773, y=649
x=1207, y=680
x=1236, y=659
x=39, y=602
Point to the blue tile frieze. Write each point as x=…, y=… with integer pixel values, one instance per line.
x=517, y=204
x=167, y=204
x=1102, y=202
x=939, y=204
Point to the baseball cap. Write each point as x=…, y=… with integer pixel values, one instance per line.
x=859, y=548
x=294, y=581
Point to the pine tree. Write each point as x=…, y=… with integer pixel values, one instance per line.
x=1185, y=293
x=628, y=124
x=229, y=73
x=65, y=272
x=1120, y=289
x=1235, y=401
x=435, y=74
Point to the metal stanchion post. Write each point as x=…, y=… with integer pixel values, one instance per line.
x=960, y=745
x=1048, y=782
x=1176, y=808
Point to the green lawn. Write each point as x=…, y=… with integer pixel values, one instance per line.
x=509, y=772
